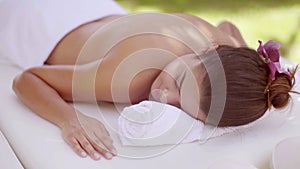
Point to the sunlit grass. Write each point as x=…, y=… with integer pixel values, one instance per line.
x=273, y=20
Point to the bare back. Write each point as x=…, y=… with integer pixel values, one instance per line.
x=67, y=51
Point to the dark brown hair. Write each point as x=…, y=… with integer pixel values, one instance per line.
x=250, y=92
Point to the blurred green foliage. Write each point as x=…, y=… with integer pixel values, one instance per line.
x=257, y=19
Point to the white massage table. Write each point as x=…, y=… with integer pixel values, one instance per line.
x=38, y=144
x=8, y=159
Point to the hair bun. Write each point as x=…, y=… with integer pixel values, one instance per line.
x=279, y=89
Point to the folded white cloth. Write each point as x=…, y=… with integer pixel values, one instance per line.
x=152, y=123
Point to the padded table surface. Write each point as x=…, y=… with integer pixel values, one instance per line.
x=38, y=143
x=8, y=159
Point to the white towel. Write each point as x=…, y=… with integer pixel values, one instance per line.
x=152, y=123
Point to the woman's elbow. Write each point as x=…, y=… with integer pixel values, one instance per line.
x=20, y=80
x=15, y=83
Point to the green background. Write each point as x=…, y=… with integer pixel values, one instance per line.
x=265, y=19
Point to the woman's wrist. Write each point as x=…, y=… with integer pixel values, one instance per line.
x=69, y=118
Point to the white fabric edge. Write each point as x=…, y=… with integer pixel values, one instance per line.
x=8, y=159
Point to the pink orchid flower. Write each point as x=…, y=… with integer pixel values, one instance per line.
x=270, y=51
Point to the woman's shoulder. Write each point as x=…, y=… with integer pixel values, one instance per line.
x=211, y=32
x=195, y=20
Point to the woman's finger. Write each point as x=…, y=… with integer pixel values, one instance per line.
x=108, y=143
x=76, y=147
x=86, y=145
x=101, y=148
x=106, y=140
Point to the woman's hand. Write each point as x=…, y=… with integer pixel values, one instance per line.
x=88, y=136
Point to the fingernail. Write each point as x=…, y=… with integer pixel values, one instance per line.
x=108, y=155
x=114, y=152
x=83, y=154
x=96, y=155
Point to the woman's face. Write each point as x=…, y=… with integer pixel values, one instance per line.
x=178, y=85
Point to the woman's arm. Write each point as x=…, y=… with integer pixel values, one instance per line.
x=39, y=90
x=43, y=90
